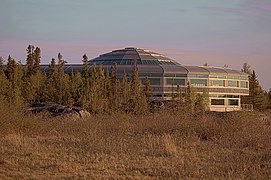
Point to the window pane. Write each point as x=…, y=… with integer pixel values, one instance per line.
x=233, y=102
x=217, y=102
x=198, y=75
x=217, y=83
x=153, y=81
x=175, y=82
x=233, y=83
x=244, y=84
x=232, y=96
x=198, y=82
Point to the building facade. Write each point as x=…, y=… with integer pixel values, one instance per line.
x=225, y=86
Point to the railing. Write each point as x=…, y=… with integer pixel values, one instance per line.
x=247, y=107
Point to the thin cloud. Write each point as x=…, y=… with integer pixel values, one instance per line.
x=249, y=8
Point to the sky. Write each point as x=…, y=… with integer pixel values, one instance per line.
x=193, y=32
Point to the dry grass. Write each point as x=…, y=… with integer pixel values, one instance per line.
x=162, y=145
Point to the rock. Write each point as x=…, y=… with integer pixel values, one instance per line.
x=84, y=114
x=57, y=110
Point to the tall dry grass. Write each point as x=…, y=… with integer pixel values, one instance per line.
x=161, y=145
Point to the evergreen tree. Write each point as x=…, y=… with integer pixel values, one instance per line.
x=36, y=58
x=180, y=99
x=29, y=67
x=202, y=103
x=34, y=83
x=135, y=84
x=190, y=98
x=85, y=72
x=246, y=68
x=125, y=91
x=52, y=86
x=62, y=80
x=138, y=103
x=2, y=66
x=256, y=95
x=103, y=102
x=76, y=87
x=11, y=68
x=269, y=98
x=3, y=82
x=114, y=99
x=147, y=89
x=14, y=76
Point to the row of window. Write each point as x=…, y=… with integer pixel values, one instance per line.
x=130, y=62
x=197, y=82
x=242, y=84
x=203, y=82
x=223, y=96
x=242, y=77
x=221, y=102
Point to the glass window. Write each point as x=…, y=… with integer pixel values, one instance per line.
x=153, y=81
x=99, y=62
x=198, y=82
x=244, y=77
x=218, y=76
x=233, y=83
x=181, y=75
x=233, y=102
x=217, y=83
x=175, y=82
x=244, y=84
x=139, y=61
x=156, y=75
x=198, y=75
x=217, y=102
x=128, y=62
x=233, y=77
x=232, y=96
x=175, y=75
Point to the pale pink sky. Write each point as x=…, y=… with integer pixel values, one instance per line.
x=192, y=32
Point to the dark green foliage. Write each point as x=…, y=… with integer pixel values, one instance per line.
x=147, y=89
x=14, y=76
x=256, y=97
x=100, y=92
x=85, y=71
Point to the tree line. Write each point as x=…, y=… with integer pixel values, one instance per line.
x=259, y=98
x=93, y=89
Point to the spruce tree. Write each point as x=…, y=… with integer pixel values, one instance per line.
x=3, y=82
x=85, y=71
x=29, y=67
x=36, y=58
x=14, y=76
x=256, y=95
x=2, y=66
x=138, y=102
x=246, y=68
x=52, y=86
x=147, y=89
x=190, y=97
x=33, y=78
x=61, y=79
x=114, y=99
x=76, y=87
x=135, y=84
x=269, y=98
x=125, y=91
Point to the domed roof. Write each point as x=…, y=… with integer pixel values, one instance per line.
x=128, y=55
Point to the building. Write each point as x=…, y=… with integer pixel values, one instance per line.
x=225, y=86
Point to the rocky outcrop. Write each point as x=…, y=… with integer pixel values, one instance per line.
x=56, y=110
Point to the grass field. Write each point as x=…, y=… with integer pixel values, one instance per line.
x=162, y=145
